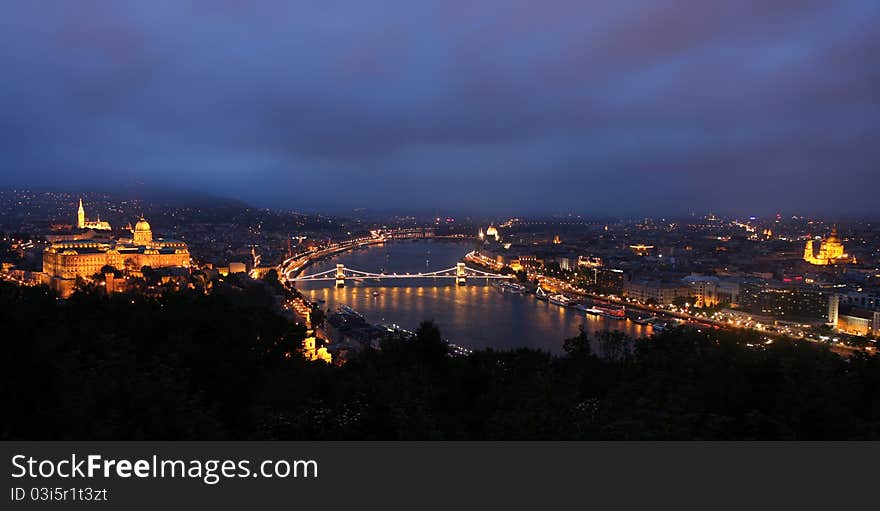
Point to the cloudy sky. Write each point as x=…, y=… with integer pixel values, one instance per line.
x=594, y=107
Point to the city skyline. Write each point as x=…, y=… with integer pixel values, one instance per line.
x=655, y=108
x=235, y=231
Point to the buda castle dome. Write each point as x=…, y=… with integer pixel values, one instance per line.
x=143, y=234
x=142, y=225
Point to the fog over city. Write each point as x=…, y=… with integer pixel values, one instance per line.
x=592, y=107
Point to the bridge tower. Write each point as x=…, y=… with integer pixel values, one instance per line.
x=340, y=275
x=460, y=275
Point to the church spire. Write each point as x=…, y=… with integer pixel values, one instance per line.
x=81, y=215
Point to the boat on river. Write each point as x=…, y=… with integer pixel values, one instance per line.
x=659, y=326
x=540, y=294
x=345, y=310
x=641, y=319
x=512, y=287
x=587, y=308
x=560, y=299
x=611, y=311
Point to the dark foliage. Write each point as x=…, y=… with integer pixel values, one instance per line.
x=190, y=366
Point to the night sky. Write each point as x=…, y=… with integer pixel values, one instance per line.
x=501, y=106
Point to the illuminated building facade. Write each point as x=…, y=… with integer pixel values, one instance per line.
x=82, y=223
x=831, y=251
x=310, y=349
x=859, y=322
x=703, y=290
x=64, y=261
x=861, y=319
x=656, y=292
x=641, y=249
x=785, y=299
x=312, y=352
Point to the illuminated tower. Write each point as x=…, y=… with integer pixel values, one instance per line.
x=81, y=215
x=808, y=252
x=340, y=275
x=833, y=310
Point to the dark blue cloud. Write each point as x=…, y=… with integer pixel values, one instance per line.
x=635, y=107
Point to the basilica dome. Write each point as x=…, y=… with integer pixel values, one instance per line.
x=833, y=238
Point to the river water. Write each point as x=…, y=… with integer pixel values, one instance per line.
x=477, y=315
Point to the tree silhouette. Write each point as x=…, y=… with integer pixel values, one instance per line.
x=187, y=365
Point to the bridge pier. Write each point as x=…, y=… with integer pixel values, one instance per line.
x=340, y=275
x=460, y=275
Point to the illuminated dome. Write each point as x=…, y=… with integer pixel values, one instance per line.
x=491, y=231
x=833, y=238
x=143, y=234
x=142, y=226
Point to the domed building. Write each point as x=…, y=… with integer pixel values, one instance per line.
x=831, y=251
x=492, y=232
x=143, y=234
x=64, y=261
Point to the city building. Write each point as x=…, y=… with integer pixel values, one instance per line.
x=831, y=251
x=656, y=292
x=609, y=280
x=856, y=314
x=589, y=262
x=703, y=289
x=641, y=249
x=727, y=293
x=864, y=300
x=564, y=263
x=83, y=223
x=312, y=352
x=64, y=261
x=785, y=299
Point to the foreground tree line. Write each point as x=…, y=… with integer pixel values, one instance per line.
x=191, y=366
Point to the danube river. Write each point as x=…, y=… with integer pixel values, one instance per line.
x=477, y=315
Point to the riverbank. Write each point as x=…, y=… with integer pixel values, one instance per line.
x=474, y=316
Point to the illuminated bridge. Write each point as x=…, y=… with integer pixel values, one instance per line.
x=459, y=272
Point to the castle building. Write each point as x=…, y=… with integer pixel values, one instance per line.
x=64, y=261
x=831, y=251
x=82, y=223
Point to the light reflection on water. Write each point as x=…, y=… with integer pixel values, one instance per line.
x=475, y=316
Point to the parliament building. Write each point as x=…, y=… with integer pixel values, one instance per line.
x=64, y=261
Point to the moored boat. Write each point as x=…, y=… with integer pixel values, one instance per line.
x=512, y=287
x=589, y=309
x=659, y=326
x=641, y=320
x=540, y=294
x=560, y=299
x=611, y=311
